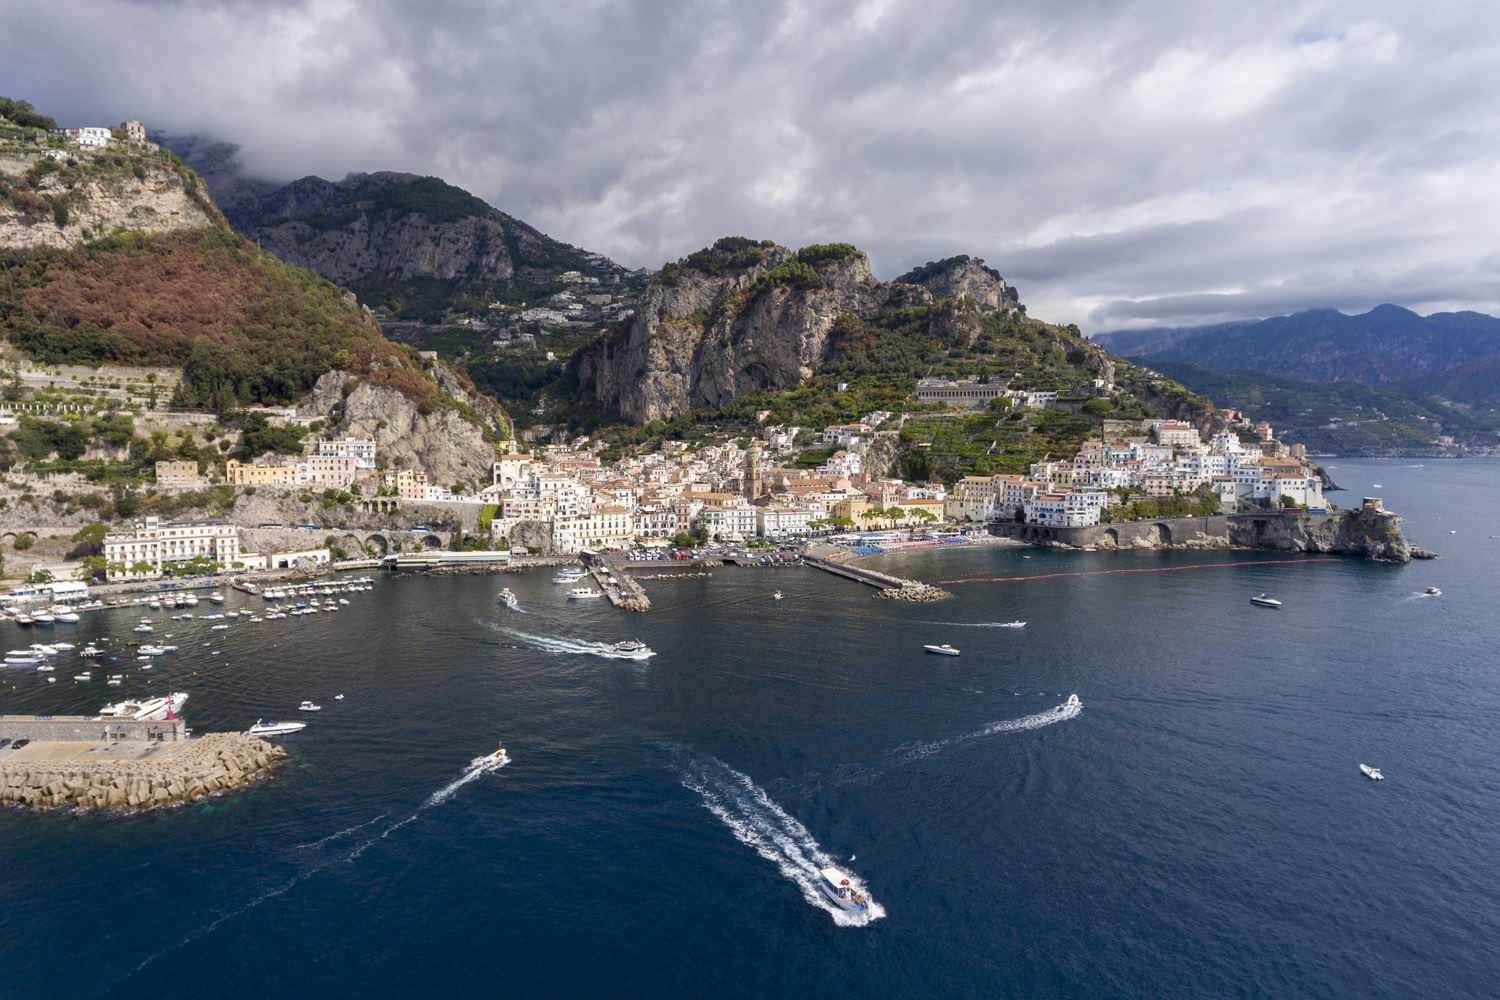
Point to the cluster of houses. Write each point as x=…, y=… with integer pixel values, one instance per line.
x=1172, y=459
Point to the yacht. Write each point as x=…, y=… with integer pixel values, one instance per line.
x=633, y=649
x=268, y=727
x=1265, y=602
x=63, y=614
x=43, y=618
x=150, y=709
x=308, y=706
x=943, y=650
x=583, y=593
x=1373, y=773
x=216, y=597
x=490, y=760
x=835, y=885
x=24, y=658
x=506, y=598
x=568, y=576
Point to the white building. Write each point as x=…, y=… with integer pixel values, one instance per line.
x=362, y=450
x=160, y=543
x=1064, y=510
x=783, y=522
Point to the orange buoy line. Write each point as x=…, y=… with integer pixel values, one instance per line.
x=1144, y=569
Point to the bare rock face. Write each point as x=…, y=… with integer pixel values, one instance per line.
x=447, y=444
x=965, y=277
x=706, y=334
x=408, y=247
x=160, y=200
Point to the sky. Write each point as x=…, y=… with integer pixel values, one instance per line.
x=1122, y=164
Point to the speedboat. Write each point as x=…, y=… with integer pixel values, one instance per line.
x=151, y=650
x=634, y=649
x=777, y=595
x=43, y=618
x=489, y=760
x=338, y=697
x=216, y=597
x=943, y=650
x=142, y=628
x=1373, y=773
x=1072, y=702
x=269, y=727
x=308, y=706
x=83, y=677
x=506, y=598
x=1264, y=601
x=1015, y=624
x=836, y=886
x=583, y=593
x=1433, y=592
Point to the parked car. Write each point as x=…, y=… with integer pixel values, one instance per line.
x=4, y=744
x=18, y=744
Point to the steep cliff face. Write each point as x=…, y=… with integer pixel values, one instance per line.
x=399, y=227
x=730, y=321
x=1369, y=533
x=448, y=445
x=59, y=203
x=965, y=277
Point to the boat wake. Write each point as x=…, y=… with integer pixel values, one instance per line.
x=560, y=644
x=1062, y=713
x=318, y=860
x=1016, y=624
x=776, y=835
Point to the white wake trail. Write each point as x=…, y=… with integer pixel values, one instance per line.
x=1062, y=713
x=562, y=644
x=776, y=835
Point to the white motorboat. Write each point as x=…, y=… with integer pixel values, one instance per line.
x=216, y=597
x=1373, y=773
x=837, y=887
x=1014, y=624
x=151, y=650
x=147, y=710
x=1072, y=702
x=308, y=706
x=633, y=649
x=63, y=614
x=1433, y=592
x=583, y=593
x=45, y=668
x=777, y=595
x=1266, y=602
x=489, y=760
x=506, y=598
x=943, y=650
x=43, y=618
x=568, y=576
x=23, y=658
x=269, y=727
x=43, y=649
x=338, y=697
x=142, y=628
x=83, y=677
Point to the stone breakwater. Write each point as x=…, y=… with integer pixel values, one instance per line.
x=197, y=768
x=911, y=590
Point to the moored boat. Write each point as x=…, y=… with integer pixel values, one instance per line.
x=837, y=887
x=943, y=650
x=583, y=593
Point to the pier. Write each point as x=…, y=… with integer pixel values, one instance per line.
x=893, y=587
x=622, y=590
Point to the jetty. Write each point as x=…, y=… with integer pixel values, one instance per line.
x=892, y=587
x=99, y=762
x=622, y=589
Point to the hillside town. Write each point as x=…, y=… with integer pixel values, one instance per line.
x=563, y=499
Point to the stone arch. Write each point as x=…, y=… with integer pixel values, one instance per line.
x=378, y=541
x=1163, y=533
x=431, y=542
x=1111, y=538
x=9, y=538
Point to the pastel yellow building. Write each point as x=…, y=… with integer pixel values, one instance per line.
x=238, y=473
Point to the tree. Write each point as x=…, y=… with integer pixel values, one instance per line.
x=925, y=516
x=40, y=576
x=24, y=541
x=92, y=535
x=142, y=568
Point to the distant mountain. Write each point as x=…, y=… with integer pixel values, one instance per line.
x=1386, y=345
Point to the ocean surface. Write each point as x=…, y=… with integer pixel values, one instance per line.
x=1198, y=828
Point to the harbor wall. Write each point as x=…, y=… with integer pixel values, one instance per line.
x=89, y=729
x=122, y=777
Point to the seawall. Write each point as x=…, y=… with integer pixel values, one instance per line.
x=127, y=775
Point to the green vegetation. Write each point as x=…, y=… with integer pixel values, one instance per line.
x=23, y=114
x=935, y=267
x=1201, y=503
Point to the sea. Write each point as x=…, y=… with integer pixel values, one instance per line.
x=1197, y=826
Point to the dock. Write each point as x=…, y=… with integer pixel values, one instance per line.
x=893, y=587
x=622, y=590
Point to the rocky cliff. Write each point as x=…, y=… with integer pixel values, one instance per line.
x=965, y=277
x=450, y=443
x=1369, y=533
x=400, y=227
x=740, y=317
x=47, y=202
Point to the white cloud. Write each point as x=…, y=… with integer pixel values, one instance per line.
x=1120, y=164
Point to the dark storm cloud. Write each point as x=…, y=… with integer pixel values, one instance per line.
x=1122, y=164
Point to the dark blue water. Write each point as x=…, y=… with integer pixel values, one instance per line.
x=1198, y=829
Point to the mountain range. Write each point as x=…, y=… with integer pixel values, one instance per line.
x=1433, y=381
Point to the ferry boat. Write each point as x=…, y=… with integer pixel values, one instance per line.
x=835, y=885
x=583, y=593
x=489, y=760
x=1373, y=773
x=270, y=727
x=943, y=650
x=506, y=598
x=1265, y=602
x=633, y=649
